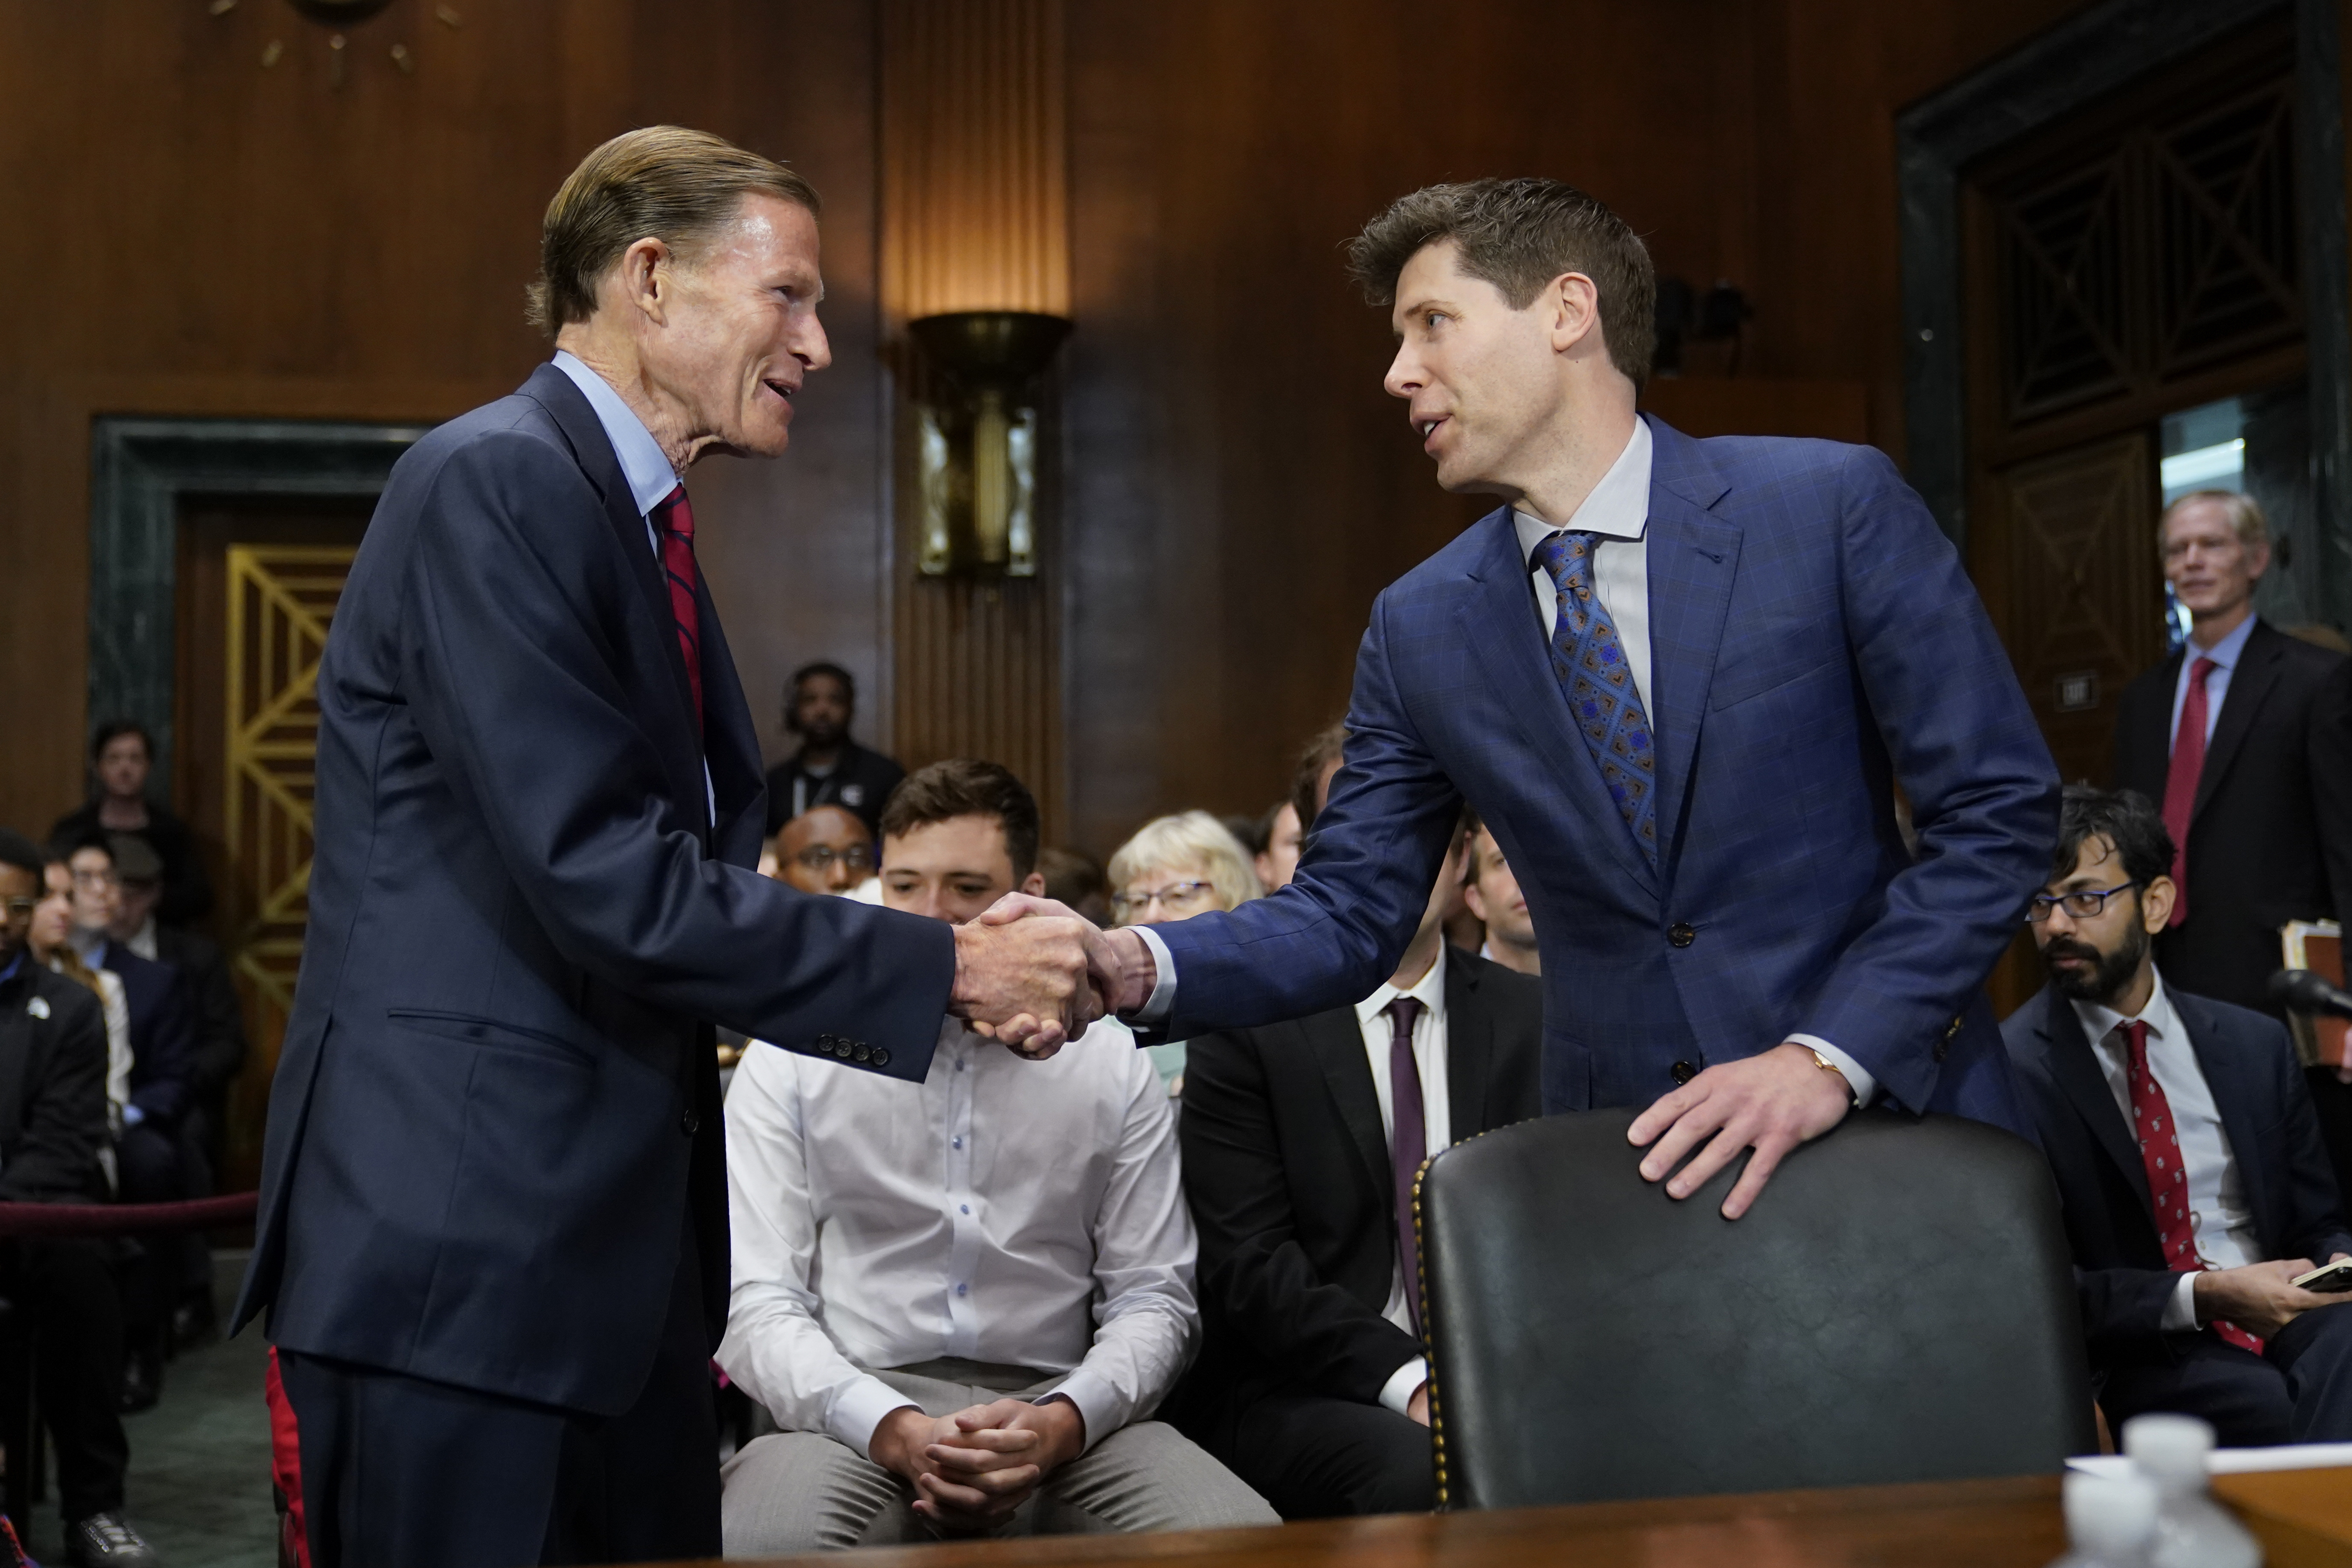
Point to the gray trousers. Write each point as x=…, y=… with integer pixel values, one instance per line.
x=802, y=1491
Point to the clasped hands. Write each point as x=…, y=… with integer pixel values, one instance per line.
x=1032, y=974
x=972, y=1470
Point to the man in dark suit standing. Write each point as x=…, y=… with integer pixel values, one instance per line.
x=493, y=1229
x=1301, y=1143
x=1680, y=682
x=2187, y=1159
x=2245, y=737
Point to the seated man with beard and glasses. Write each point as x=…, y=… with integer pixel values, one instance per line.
x=2187, y=1156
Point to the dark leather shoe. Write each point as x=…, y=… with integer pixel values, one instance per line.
x=143, y=1381
x=104, y=1541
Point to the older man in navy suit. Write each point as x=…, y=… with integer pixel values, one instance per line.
x=2189, y=1160
x=493, y=1232
x=1680, y=682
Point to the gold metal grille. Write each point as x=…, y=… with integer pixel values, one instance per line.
x=280, y=601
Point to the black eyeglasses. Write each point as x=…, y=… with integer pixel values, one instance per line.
x=2085, y=905
x=821, y=857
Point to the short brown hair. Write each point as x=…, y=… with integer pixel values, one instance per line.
x=2245, y=516
x=962, y=787
x=665, y=182
x=1519, y=235
x=1327, y=743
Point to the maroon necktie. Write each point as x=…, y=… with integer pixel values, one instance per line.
x=673, y=523
x=1408, y=1142
x=2181, y=781
x=2159, y=1152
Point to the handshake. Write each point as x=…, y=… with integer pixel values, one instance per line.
x=1032, y=974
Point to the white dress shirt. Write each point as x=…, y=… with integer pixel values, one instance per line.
x=1024, y=1213
x=2218, y=1218
x=1429, y=1057
x=643, y=464
x=2226, y=654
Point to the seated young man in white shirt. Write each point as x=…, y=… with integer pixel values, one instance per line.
x=962, y=1302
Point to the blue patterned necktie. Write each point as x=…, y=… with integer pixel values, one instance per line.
x=1590, y=665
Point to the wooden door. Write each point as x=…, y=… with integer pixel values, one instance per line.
x=260, y=580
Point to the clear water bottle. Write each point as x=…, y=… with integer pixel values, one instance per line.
x=2192, y=1530
x=2110, y=1521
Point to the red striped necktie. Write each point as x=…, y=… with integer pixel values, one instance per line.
x=673, y=522
x=2181, y=779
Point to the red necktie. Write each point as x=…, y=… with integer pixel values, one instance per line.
x=1408, y=1142
x=2167, y=1178
x=674, y=522
x=2180, y=781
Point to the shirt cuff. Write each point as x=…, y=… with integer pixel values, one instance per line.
x=1857, y=1078
x=2180, y=1307
x=1162, y=1000
x=1098, y=1406
x=857, y=1411
x=1398, y=1392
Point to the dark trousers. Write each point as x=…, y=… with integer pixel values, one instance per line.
x=1316, y=1457
x=64, y=1290
x=2299, y=1390
x=397, y=1471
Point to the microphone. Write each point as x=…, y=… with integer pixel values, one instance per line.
x=2307, y=993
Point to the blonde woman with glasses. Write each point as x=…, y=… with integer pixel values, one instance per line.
x=1175, y=868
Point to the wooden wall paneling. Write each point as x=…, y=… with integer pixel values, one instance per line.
x=974, y=215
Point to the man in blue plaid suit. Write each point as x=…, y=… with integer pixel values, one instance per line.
x=1681, y=681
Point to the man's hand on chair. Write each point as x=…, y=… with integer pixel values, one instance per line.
x=1769, y=1103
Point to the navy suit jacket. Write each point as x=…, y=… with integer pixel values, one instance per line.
x=163, y=1034
x=1814, y=642
x=2257, y=1084
x=496, y=1116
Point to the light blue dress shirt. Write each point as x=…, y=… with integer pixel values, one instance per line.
x=2226, y=654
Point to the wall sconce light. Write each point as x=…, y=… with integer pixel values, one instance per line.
x=978, y=441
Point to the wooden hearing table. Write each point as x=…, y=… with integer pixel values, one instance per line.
x=2303, y=1518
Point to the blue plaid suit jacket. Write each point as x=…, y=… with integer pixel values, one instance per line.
x=1815, y=643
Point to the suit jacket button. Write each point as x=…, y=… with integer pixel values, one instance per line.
x=858, y=1052
x=691, y=1123
x=1684, y=1072
x=881, y=1057
x=1681, y=935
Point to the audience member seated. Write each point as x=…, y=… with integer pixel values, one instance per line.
x=961, y=1303
x=2188, y=1157
x=1076, y=881
x=825, y=850
x=1278, y=857
x=151, y=1155
x=1301, y=1143
x=1310, y=780
x=49, y=940
x=218, y=1047
x=1174, y=868
x=829, y=769
x=53, y=1128
x=1494, y=897
x=121, y=761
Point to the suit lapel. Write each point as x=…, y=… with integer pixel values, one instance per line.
x=2249, y=683
x=2241, y=1117
x=1338, y=1042
x=1499, y=620
x=572, y=414
x=2075, y=1066
x=1469, y=1049
x=1693, y=557
x=731, y=745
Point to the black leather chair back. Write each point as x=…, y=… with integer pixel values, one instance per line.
x=1898, y=1305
